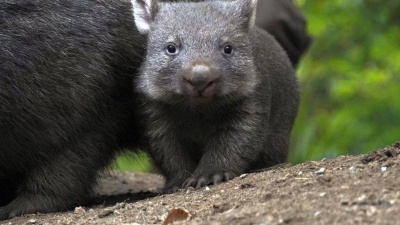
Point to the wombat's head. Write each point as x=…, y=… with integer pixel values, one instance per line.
x=197, y=51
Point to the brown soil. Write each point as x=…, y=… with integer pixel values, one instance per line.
x=360, y=189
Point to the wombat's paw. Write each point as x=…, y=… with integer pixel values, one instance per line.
x=4, y=214
x=29, y=205
x=209, y=178
x=16, y=208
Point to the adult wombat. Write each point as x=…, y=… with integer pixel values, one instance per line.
x=218, y=95
x=283, y=20
x=66, y=72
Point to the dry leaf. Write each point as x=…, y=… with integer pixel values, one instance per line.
x=177, y=214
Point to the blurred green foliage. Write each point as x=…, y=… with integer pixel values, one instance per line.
x=349, y=79
x=132, y=162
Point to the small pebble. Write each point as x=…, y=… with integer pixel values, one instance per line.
x=105, y=213
x=383, y=168
x=191, y=188
x=79, y=210
x=361, y=198
x=32, y=221
x=320, y=171
x=243, y=175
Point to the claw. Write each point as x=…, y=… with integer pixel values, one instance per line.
x=190, y=182
x=228, y=176
x=201, y=183
x=217, y=178
x=211, y=178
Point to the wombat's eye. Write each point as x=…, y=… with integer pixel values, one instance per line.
x=228, y=49
x=171, y=49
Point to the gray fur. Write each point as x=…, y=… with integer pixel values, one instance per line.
x=243, y=122
x=66, y=102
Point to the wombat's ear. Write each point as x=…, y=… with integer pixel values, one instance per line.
x=247, y=12
x=144, y=12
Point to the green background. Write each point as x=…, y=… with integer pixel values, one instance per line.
x=349, y=79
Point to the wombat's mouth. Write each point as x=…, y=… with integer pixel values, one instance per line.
x=207, y=91
x=203, y=97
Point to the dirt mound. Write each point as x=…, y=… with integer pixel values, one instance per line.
x=362, y=189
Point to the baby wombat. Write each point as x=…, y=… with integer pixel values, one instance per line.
x=219, y=95
x=65, y=98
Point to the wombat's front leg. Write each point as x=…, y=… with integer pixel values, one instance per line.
x=172, y=161
x=167, y=150
x=228, y=154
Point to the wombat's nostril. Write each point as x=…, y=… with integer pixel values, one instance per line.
x=200, y=77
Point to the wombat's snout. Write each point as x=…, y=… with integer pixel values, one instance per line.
x=201, y=80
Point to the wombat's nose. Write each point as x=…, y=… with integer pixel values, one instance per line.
x=200, y=77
